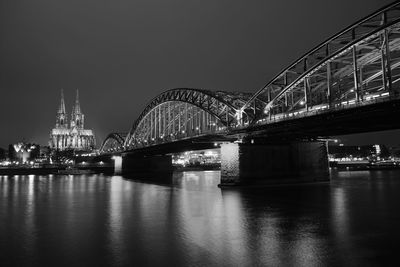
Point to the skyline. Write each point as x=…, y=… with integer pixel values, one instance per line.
x=131, y=58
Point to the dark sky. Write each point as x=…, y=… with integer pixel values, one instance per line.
x=122, y=53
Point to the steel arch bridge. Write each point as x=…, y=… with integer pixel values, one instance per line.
x=357, y=67
x=184, y=113
x=113, y=142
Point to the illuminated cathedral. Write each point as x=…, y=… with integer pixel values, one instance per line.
x=73, y=135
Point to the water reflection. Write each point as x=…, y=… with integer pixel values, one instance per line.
x=100, y=220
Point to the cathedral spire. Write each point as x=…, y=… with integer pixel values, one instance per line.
x=77, y=118
x=61, y=119
x=77, y=108
x=61, y=109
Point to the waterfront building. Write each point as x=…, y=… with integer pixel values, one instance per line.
x=74, y=136
x=23, y=152
x=365, y=152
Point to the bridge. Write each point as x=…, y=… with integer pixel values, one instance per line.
x=347, y=84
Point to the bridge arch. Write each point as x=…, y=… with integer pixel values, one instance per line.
x=113, y=142
x=358, y=66
x=183, y=113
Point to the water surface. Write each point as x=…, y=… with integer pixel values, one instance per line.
x=97, y=220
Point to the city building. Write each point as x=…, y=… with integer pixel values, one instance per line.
x=208, y=157
x=72, y=136
x=23, y=152
x=350, y=153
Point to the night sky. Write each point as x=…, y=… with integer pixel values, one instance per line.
x=121, y=54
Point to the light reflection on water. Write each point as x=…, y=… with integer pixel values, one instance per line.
x=188, y=221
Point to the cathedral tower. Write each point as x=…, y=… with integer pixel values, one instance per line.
x=77, y=118
x=61, y=119
x=75, y=136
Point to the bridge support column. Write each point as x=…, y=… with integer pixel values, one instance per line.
x=117, y=164
x=146, y=166
x=255, y=164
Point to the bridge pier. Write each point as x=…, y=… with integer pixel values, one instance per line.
x=265, y=163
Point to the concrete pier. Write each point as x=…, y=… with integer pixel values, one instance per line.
x=294, y=162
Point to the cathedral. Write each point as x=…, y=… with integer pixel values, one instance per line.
x=73, y=135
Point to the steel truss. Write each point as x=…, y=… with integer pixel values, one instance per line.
x=358, y=66
x=114, y=142
x=183, y=113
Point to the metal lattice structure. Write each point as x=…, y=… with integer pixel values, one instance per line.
x=114, y=142
x=184, y=113
x=358, y=66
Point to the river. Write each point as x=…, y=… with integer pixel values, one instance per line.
x=97, y=220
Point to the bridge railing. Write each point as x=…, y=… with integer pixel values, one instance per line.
x=177, y=137
x=384, y=97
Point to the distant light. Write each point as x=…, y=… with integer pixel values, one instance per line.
x=302, y=103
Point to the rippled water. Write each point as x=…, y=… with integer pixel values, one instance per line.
x=101, y=221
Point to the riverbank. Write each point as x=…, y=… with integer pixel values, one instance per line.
x=51, y=170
